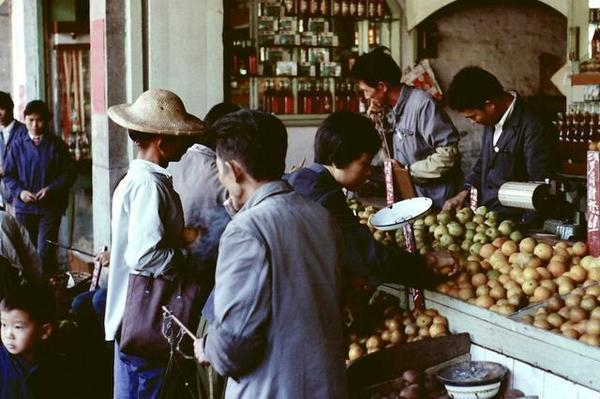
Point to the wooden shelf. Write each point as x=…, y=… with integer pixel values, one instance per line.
x=586, y=78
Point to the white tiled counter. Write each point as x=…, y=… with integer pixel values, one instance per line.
x=540, y=363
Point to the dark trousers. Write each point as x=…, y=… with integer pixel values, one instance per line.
x=41, y=228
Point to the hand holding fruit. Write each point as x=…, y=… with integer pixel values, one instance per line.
x=444, y=263
x=456, y=202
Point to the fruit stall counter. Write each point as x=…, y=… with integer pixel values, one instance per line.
x=562, y=356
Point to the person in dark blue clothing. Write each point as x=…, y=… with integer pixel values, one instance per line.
x=345, y=145
x=517, y=145
x=10, y=130
x=39, y=172
x=29, y=367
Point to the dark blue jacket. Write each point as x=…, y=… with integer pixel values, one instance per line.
x=526, y=151
x=30, y=167
x=363, y=256
x=19, y=130
x=48, y=378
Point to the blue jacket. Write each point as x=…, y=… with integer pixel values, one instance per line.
x=363, y=255
x=49, y=378
x=30, y=167
x=18, y=131
x=526, y=151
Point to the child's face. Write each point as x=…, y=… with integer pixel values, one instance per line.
x=35, y=124
x=20, y=334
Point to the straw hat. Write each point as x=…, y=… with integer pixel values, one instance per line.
x=157, y=111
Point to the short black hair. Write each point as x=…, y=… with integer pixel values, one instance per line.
x=218, y=111
x=214, y=114
x=36, y=300
x=138, y=136
x=255, y=139
x=6, y=101
x=471, y=87
x=377, y=66
x=37, y=107
x=343, y=137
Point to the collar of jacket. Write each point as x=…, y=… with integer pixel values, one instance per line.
x=405, y=92
x=265, y=191
x=143, y=165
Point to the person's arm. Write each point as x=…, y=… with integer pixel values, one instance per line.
x=11, y=173
x=236, y=339
x=540, y=152
x=148, y=249
x=66, y=173
x=439, y=132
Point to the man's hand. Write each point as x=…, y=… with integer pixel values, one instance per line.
x=199, y=352
x=27, y=197
x=103, y=257
x=374, y=111
x=40, y=195
x=456, y=202
x=443, y=263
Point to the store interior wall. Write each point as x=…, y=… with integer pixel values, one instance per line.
x=185, y=51
x=6, y=48
x=521, y=42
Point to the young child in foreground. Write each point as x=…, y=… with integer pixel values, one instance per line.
x=29, y=367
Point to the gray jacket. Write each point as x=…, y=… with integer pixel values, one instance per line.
x=276, y=327
x=425, y=140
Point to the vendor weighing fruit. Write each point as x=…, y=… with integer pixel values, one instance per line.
x=516, y=146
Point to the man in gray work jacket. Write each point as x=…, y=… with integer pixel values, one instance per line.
x=421, y=134
x=275, y=325
x=516, y=145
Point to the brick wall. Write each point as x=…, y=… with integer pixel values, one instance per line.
x=522, y=42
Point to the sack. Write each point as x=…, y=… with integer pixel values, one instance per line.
x=141, y=330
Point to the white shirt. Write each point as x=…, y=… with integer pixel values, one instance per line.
x=6, y=130
x=500, y=125
x=147, y=221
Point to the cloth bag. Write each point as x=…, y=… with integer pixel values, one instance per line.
x=141, y=330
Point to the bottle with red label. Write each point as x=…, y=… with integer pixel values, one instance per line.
x=275, y=99
x=266, y=100
x=252, y=61
x=319, y=100
x=327, y=98
x=340, y=97
x=308, y=99
x=287, y=99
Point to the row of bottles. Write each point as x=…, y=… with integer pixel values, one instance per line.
x=312, y=98
x=576, y=129
x=243, y=58
x=325, y=8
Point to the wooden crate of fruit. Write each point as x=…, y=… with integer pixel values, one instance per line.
x=400, y=367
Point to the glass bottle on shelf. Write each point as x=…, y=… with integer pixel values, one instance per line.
x=380, y=8
x=287, y=99
x=324, y=7
x=242, y=59
x=252, y=64
x=372, y=8
x=361, y=9
x=300, y=97
x=596, y=43
x=340, y=97
x=337, y=8
x=290, y=7
x=267, y=97
x=345, y=7
x=234, y=59
x=353, y=5
x=303, y=8
x=314, y=8
x=319, y=100
x=276, y=99
x=309, y=100
x=327, y=98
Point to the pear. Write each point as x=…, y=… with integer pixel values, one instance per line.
x=455, y=229
x=482, y=210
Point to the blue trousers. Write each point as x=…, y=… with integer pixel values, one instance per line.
x=136, y=377
x=41, y=228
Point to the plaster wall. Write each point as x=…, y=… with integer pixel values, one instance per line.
x=5, y=49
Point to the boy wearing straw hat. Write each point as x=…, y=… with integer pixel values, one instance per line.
x=147, y=220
